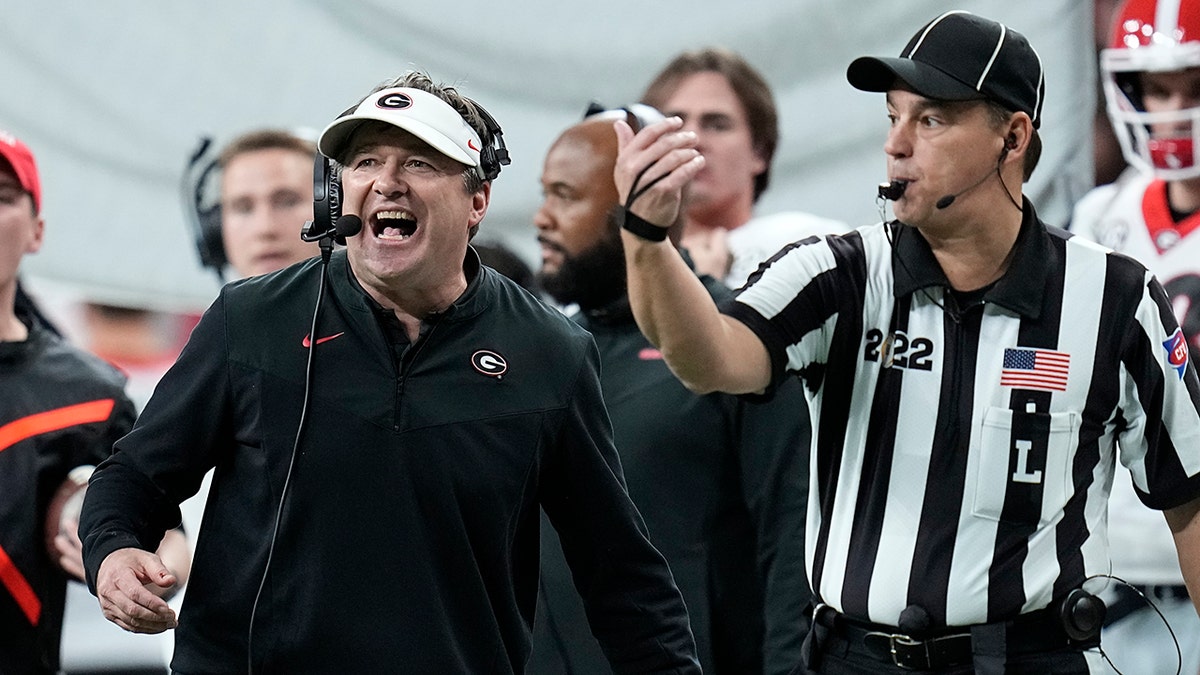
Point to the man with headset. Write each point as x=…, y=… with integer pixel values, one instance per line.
x=974, y=374
x=385, y=424
x=265, y=197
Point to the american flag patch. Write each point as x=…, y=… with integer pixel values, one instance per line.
x=1035, y=369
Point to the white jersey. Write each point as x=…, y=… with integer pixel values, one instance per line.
x=762, y=237
x=1132, y=216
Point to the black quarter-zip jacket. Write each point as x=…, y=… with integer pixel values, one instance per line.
x=408, y=540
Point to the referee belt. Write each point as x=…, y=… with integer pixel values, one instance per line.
x=1036, y=632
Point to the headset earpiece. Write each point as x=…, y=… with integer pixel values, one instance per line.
x=202, y=211
x=494, y=153
x=1010, y=143
x=327, y=201
x=210, y=243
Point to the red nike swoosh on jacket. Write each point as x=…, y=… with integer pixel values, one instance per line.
x=307, y=341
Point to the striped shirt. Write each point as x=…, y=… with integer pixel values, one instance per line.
x=963, y=451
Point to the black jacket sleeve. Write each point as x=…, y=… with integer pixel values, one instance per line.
x=774, y=446
x=134, y=495
x=634, y=608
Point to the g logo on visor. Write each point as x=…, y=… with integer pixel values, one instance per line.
x=394, y=101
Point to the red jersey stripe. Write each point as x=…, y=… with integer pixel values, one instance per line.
x=52, y=420
x=19, y=588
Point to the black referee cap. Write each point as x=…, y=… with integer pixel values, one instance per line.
x=961, y=56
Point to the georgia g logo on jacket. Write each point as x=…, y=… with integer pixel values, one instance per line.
x=489, y=363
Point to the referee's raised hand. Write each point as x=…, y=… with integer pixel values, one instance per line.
x=653, y=167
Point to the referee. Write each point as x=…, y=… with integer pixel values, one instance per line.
x=974, y=375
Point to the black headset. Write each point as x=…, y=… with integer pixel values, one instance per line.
x=202, y=208
x=327, y=185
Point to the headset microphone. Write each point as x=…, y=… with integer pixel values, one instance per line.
x=947, y=200
x=345, y=226
x=348, y=225
x=1009, y=144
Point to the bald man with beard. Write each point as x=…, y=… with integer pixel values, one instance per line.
x=719, y=479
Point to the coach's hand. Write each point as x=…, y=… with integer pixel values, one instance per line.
x=669, y=158
x=125, y=599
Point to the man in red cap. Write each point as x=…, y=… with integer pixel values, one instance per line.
x=60, y=413
x=22, y=167
x=976, y=375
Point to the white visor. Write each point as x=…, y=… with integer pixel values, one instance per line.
x=420, y=113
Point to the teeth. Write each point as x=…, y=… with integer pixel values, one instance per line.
x=405, y=224
x=395, y=215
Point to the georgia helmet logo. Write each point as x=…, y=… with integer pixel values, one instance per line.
x=489, y=363
x=394, y=101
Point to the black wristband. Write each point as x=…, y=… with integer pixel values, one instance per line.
x=644, y=229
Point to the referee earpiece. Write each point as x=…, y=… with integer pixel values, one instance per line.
x=1010, y=143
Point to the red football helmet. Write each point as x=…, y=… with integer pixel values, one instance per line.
x=1153, y=36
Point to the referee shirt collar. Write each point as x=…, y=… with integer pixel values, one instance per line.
x=1020, y=289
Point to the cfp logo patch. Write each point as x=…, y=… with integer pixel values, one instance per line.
x=1177, y=352
x=394, y=101
x=489, y=363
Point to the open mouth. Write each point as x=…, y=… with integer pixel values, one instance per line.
x=397, y=225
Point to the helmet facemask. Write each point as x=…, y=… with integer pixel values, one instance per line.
x=1164, y=143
